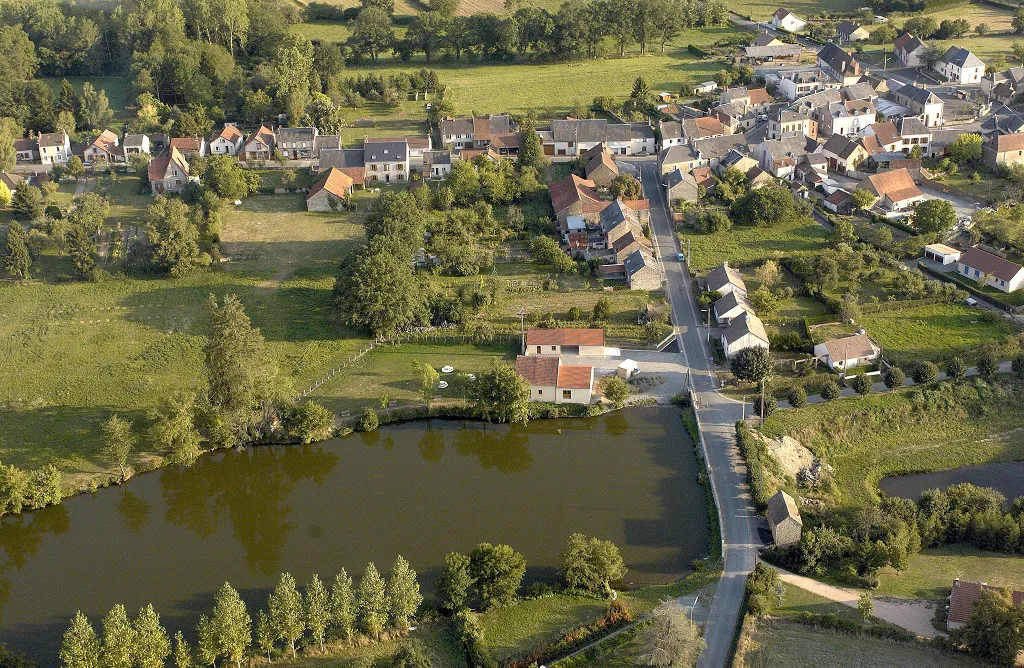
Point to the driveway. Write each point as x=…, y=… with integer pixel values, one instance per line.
x=667, y=366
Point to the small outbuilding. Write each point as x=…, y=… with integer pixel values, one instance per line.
x=555, y=341
x=327, y=193
x=941, y=253
x=784, y=520
x=745, y=331
x=627, y=369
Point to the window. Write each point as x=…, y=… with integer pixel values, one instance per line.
x=540, y=392
x=554, y=348
x=538, y=350
x=977, y=273
x=567, y=394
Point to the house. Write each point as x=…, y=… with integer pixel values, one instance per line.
x=618, y=219
x=941, y=254
x=12, y=181
x=779, y=157
x=859, y=91
x=333, y=187
x=735, y=159
x=766, y=39
x=921, y=102
x=574, y=196
x=844, y=155
x=386, y=161
x=552, y=381
x=191, y=146
x=26, y=150
x=297, y=143
x=731, y=306
x=705, y=88
x=724, y=280
x=895, y=188
x=1003, y=86
x=54, y=148
x=848, y=31
x=702, y=128
x=228, y=141
x=839, y=202
x=104, y=148
x=887, y=136
x=601, y=169
x=847, y=352
x=437, y=164
x=846, y=118
x=909, y=50
x=136, y=144
x=681, y=186
x=477, y=132
x=260, y=144
x=841, y=65
x=677, y=157
x=963, y=597
x=170, y=173
x=735, y=117
x=794, y=84
x=990, y=269
x=1003, y=150
x=628, y=243
x=756, y=99
x=573, y=341
x=960, y=66
x=914, y=133
x=776, y=53
x=784, y=520
x=642, y=271
x=671, y=132
x=745, y=331
x=712, y=150
x=571, y=137
x=349, y=160
x=783, y=19
x=793, y=121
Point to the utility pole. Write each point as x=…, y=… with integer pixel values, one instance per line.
x=743, y=415
x=522, y=331
x=709, y=324
x=687, y=255
x=762, y=402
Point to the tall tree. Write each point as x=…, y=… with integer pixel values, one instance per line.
x=372, y=32
x=404, y=595
x=174, y=428
x=232, y=625
x=591, y=564
x=80, y=647
x=182, y=652
x=174, y=235
x=318, y=611
x=498, y=571
x=118, y=441
x=152, y=644
x=530, y=149
x=82, y=251
x=118, y=639
x=94, y=111
x=265, y=636
x=454, y=582
x=207, y=647
x=286, y=613
x=343, y=605
x=995, y=630
x=503, y=395
x=372, y=602
x=16, y=259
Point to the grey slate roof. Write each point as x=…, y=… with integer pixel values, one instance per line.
x=288, y=135
x=678, y=153
x=746, y=323
x=919, y=95
x=636, y=261
x=961, y=57
x=598, y=129
x=671, y=129
x=385, y=151
x=437, y=157
x=840, y=146
x=718, y=147
x=341, y=158
x=833, y=55
x=325, y=142
x=133, y=141
x=911, y=125
x=859, y=91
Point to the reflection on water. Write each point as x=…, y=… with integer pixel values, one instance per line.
x=420, y=489
x=1007, y=477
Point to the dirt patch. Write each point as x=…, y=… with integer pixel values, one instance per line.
x=791, y=455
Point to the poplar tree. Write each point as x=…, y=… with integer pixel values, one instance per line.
x=152, y=644
x=118, y=639
x=454, y=582
x=372, y=602
x=404, y=596
x=16, y=258
x=286, y=613
x=265, y=634
x=232, y=625
x=81, y=647
x=343, y=605
x=182, y=653
x=318, y=613
x=206, y=648
x=118, y=441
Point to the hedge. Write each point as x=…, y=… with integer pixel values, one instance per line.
x=757, y=456
x=696, y=50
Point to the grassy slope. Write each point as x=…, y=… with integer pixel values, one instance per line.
x=926, y=332
x=510, y=631
x=747, y=245
x=931, y=572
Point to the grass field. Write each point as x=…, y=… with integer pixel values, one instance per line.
x=517, y=629
x=745, y=245
x=117, y=89
x=931, y=572
x=866, y=439
x=781, y=644
x=927, y=332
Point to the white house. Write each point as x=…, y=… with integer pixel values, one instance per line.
x=847, y=352
x=136, y=144
x=705, y=88
x=54, y=148
x=990, y=269
x=386, y=161
x=169, y=173
x=960, y=66
x=228, y=141
x=437, y=164
x=909, y=50
x=745, y=331
x=553, y=342
x=724, y=280
x=554, y=382
x=731, y=306
x=895, y=188
x=783, y=19
x=105, y=147
x=942, y=254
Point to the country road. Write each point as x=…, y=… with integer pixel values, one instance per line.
x=718, y=416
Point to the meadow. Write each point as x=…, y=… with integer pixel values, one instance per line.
x=931, y=572
x=932, y=331
x=746, y=245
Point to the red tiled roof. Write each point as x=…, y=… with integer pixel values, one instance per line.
x=886, y=133
x=759, y=96
x=892, y=183
x=106, y=140
x=703, y=176
x=578, y=240
x=575, y=377
x=335, y=181
x=570, y=190
x=637, y=204
x=186, y=144
x=538, y=369
x=230, y=133
x=1010, y=142
x=565, y=336
x=966, y=594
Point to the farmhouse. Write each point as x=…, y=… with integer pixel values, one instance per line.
x=783, y=19
x=705, y=88
x=601, y=168
x=844, y=155
x=571, y=137
x=297, y=143
x=479, y=132
x=942, y=254
x=963, y=597
x=848, y=31
x=386, y=161
x=896, y=189
x=841, y=65
x=795, y=84
x=724, y=280
x=105, y=147
x=554, y=382
x=681, y=186
x=990, y=269
x=909, y=50
x=745, y=331
x=784, y=519
x=847, y=352
x=680, y=157
x=758, y=55
x=329, y=191
x=574, y=196
x=1003, y=86
x=846, y=118
x=960, y=66
x=573, y=341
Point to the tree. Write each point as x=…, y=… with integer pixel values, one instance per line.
x=312, y=422
x=318, y=609
x=797, y=397
x=372, y=602
x=1018, y=21
x=225, y=176
x=625, y=186
x=174, y=428
x=965, y=150
x=404, y=596
x=884, y=34
x=369, y=420
x=865, y=606
x=118, y=639
x=752, y=364
x=530, y=150
x=174, y=235
x=28, y=203
x=996, y=628
x=503, y=395
x=921, y=26
x=16, y=259
x=602, y=309
x=94, y=111
x=182, y=653
x=842, y=233
x=232, y=626
x=955, y=368
x=207, y=648
x=265, y=636
x=152, y=644
x=764, y=589
x=118, y=441
x=428, y=377
x=988, y=364
x=1018, y=51
x=616, y=390
x=286, y=614
x=830, y=390
x=861, y=384
x=497, y=572
x=547, y=252
x=379, y=291
x=768, y=273
x=925, y=372
x=672, y=638
x=766, y=206
x=591, y=565
x=343, y=605
x=372, y=32
x=454, y=582
x=76, y=168
x=80, y=647
x=934, y=216
x=1017, y=366
x=5, y=195
x=257, y=107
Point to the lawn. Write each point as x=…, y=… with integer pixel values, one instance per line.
x=117, y=89
x=928, y=332
x=868, y=438
x=782, y=644
x=516, y=629
x=931, y=572
x=745, y=245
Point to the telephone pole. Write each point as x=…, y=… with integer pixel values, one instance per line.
x=522, y=331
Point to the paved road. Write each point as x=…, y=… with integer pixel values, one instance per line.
x=718, y=416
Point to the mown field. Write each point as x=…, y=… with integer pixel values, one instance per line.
x=931, y=572
x=928, y=332
x=746, y=245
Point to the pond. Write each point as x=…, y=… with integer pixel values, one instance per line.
x=1007, y=477
x=421, y=489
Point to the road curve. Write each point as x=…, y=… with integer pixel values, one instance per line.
x=718, y=416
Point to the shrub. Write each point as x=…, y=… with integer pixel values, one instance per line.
x=894, y=377
x=955, y=368
x=616, y=390
x=830, y=390
x=768, y=406
x=369, y=420
x=797, y=397
x=988, y=364
x=861, y=384
x=1018, y=366
x=752, y=364
x=925, y=372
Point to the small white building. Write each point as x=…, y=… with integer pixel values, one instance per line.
x=553, y=342
x=724, y=280
x=554, y=382
x=136, y=144
x=745, y=331
x=847, y=352
x=627, y=369
x=705, y=88
x=228, y=141
x=990, y=269
x=942, y=254
x=783, y=19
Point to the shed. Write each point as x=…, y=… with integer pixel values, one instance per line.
x=941, y=253
x=847, y=352
x=784, y=519
x=627, y=369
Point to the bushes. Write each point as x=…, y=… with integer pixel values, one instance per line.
x=758, y=460
x=925, y=372
x=830, y=390
x=797, y=397
x=27, y=490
